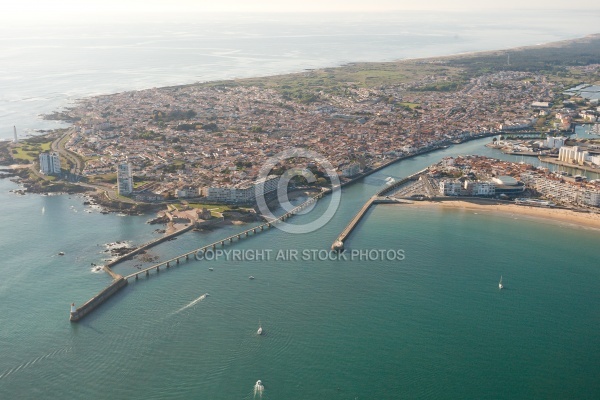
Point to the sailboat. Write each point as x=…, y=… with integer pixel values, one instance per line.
x=260, y=329
x=500, y=285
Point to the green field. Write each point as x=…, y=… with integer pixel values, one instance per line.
x=412, y=106
x=212, y=207
x=30, y=151
x=106, y=178
x=307, y=86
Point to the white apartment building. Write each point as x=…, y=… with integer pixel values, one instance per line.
x=562, y=192
x=591, y=198
x=188, y=192
x=49, y=163
x=480, y=188
x=245, y=193
x=573, y=154
x=124, y=179
x=450, y=188
x=555, y=142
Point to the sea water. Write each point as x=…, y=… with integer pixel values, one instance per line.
x=431, y=325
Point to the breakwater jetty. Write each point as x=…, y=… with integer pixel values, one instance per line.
x=120, y=281
x=146, y=246
x=97, y=300
x=378, y=198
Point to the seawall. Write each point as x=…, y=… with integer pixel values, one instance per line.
x=149, y=245
x=98, y=299
x=338, y=245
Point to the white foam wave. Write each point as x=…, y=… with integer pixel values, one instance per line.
x=258, y=389
x=192, y=303
x=31, y=362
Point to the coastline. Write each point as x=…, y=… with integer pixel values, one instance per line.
x=554, y=216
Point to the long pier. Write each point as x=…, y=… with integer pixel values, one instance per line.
x=121, y=281
x=379, y=197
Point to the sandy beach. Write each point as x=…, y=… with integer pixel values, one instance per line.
x=542, y=215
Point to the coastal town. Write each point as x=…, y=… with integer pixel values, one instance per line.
x=484, y=177
x=206, y=143
x=213, y=137
x=188, y=141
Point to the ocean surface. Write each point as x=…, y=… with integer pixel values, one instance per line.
x=45, y=67
x=432, y=325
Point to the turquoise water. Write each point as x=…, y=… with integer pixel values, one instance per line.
x=433, y=325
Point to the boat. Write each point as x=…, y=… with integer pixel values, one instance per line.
x=500, y=285
x=211, y=268
x=250, y=277
x=260, y=329
x=61, y=253
x=258, y=388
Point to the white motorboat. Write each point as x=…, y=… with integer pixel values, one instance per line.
x=500, y=285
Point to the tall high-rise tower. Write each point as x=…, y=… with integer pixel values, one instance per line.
x=124, y=179
x=50, y=163
x=16, y=139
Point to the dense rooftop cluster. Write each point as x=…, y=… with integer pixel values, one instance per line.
x=199, y=135
x=541, y=181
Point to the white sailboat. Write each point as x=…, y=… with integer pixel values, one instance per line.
x=500, y=285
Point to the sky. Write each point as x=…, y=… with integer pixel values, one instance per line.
x=65, y=9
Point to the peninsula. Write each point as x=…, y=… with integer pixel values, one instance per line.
x=205, y=143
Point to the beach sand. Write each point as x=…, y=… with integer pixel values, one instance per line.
x=543, y=215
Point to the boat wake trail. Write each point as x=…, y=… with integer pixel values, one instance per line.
x=258, y=389
x=30, y=363
x=192, y=303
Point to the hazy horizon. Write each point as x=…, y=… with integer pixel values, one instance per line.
x=94, y=11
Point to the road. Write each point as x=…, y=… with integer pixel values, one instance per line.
x=58, y=145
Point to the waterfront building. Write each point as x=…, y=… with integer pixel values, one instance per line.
x=555, y=142
x=49, y=163
x=148, y=196
x=562, y=191
x=188, y=192
x=591, y=198
x=351, y=170
x=124, y=179
x=479, y=188
x=448, y=162
x=508, y=185
x=266, y=185
x=450, y=187
x=245, y=193
x=573, y=154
